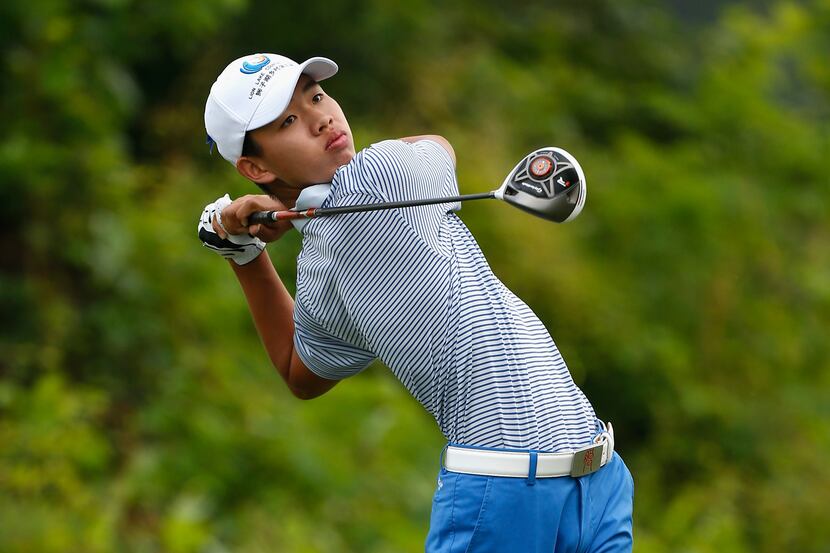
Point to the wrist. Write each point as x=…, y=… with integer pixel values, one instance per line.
x=253, y=266
x=241, y=248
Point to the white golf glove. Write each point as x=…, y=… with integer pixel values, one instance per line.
x=241, y=248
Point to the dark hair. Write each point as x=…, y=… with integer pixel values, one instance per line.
x=251, y=147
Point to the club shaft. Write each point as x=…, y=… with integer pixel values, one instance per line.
x=271, y=216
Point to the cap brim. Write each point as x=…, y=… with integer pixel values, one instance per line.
x=318, y=68
x=275, y=103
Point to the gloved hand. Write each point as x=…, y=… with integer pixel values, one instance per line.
x=241, y=248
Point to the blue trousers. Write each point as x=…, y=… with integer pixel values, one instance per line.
x=487, y=514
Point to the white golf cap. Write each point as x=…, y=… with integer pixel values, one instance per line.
x=251, y=92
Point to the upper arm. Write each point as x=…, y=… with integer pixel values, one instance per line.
x=444, y=143
x=320, y=358
x=303, y=383
x=413, y=168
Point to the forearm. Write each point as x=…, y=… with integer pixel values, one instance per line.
x=272, y=308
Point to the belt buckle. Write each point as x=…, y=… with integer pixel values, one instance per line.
x=587, y=460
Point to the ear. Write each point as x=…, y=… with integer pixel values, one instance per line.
x=251, y=169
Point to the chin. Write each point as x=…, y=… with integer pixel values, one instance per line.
x=346, y=156
x=324, y=177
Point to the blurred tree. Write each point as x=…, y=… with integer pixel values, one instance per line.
x=137, y=410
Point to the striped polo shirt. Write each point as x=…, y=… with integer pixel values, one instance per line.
x=412, y=288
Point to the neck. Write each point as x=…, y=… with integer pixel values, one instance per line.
x=288, y=197
x=285, y=193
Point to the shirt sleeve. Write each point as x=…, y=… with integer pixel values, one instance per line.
x=322, y=352
x=407, y=171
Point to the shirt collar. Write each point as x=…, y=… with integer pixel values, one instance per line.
x=310, y=197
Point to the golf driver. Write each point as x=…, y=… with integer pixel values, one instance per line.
x=548, y=183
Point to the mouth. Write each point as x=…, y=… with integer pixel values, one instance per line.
x=337, y=141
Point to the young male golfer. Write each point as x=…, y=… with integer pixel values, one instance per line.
x=529, y=467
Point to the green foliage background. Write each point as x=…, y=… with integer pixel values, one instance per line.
x=691, y=299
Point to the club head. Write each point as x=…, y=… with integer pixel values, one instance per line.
x=548, y=183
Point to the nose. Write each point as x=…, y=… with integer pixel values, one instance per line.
x=322, y=122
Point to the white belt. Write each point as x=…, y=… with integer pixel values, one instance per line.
x=516, y=464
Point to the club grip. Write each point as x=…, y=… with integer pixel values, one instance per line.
x=261, y=217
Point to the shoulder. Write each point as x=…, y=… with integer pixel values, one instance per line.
x=410, y=154
x=388, y=160
x=421, y=146
x=378, y=153
x=435, y=139
x=395, y=169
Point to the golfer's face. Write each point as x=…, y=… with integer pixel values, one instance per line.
x=309, y=141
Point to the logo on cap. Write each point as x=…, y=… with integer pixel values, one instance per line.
x=249, y=67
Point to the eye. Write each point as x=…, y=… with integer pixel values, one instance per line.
x=288, y=120
x=317, y=98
